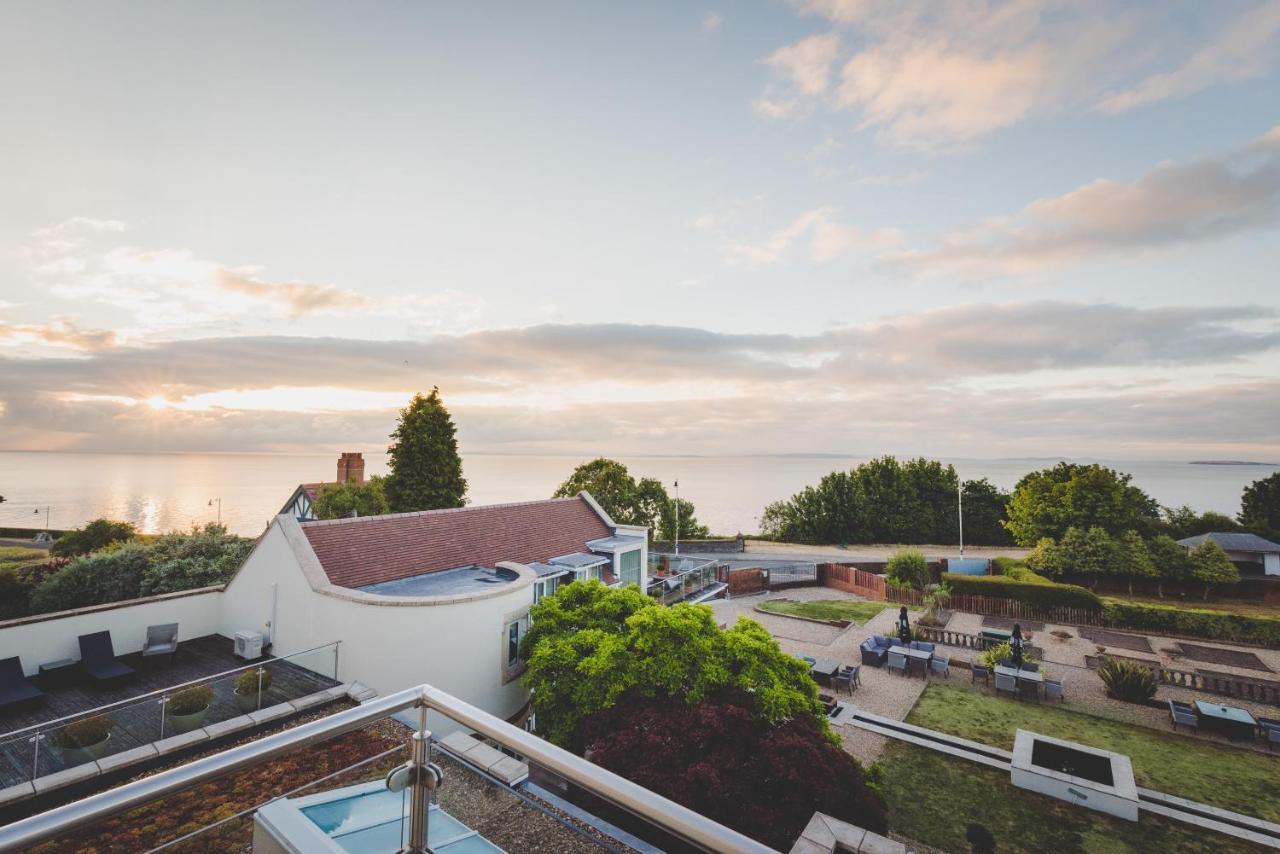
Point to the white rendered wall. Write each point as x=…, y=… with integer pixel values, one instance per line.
x=459, y=647
x=52, y=637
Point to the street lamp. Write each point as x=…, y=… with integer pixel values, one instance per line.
x=677, y=486
x=46, y=517
x=960, y=514
x=219, y=502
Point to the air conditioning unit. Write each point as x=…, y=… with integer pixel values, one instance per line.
x=249, y=645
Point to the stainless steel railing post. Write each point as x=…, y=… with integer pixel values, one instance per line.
x=419, y=792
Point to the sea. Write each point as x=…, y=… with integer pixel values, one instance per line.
x=163, y=492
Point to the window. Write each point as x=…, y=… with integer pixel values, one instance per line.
x=629, y=566
x=515, y=631
x=539, y=590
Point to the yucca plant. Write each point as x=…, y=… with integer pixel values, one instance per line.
x=993, y=655
x=1128, y=680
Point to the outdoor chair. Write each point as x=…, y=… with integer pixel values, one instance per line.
x=1053, y=689
x=98, y=658
x=1031, y=668
x=897, y=661
x=1269, y=729
x=1182, y=714
x=941, y=666
x=977, y=672
x=161, y=640
x=843, y=681
x=854, y=671
x=15, y=689
x=923, y=646
x=1006, y=684
x=1029, y=690
x=1007, y=662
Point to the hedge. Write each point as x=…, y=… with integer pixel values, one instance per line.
x=1042, y=597
x=1213, y=625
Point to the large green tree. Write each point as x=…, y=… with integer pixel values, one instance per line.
x=1260, y=507
x=1089, y=552
x=1047, y=502
x=1211, y=566
x=588, y=645
x=629, y=502
x=340, y=500
x=426, y=471
x=1171, y=561
x=1134, y=558
x=1182, y=522
x=885, y=500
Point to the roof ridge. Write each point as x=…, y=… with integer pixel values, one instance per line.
x=315, y=523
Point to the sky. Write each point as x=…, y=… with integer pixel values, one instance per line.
x=1026, y=228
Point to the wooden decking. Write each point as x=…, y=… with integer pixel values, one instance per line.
x=139, y=723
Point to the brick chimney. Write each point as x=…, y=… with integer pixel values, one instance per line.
x=351, y=467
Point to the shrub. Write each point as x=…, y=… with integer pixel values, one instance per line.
x=1002, y=565
x=908, y=566
x=188, y=701
x=84, y=733
x=94, y=580
x=1127, y=680
x=96, y=535
x=1023, y=573
x=720, y=759
x=1214, y=625
x=1039, y=595
x=247, y=682
x=993, y=655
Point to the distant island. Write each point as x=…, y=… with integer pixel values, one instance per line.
x=1230, y=463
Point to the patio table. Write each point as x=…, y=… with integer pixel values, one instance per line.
x=921, y=655
x=1023, y=675
x=1232, y=722
x=825, y=668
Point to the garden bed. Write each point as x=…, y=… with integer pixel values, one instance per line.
x=1229, y=657
x=1137, y=643
x=1007, y=623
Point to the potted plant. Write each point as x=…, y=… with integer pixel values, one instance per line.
x=248, y=684
x=84, y=740
x=187, y=709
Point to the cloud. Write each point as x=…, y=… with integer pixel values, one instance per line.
x=1245, y=48
x=61, y=332
x=298, y=298
x=936, y=76
x=828, y=240
x=711, y=22
x=1173, y=204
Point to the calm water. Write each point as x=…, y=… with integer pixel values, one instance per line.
x=160, y=492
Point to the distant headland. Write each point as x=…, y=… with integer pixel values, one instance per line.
x=1231, y=463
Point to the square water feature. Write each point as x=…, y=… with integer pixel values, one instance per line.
x=1081, y=775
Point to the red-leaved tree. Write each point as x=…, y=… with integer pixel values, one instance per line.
x=717, y=758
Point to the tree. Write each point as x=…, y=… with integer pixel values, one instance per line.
x=1260, y=507
x=1090, y=552
x=1046, y=503
x=588, y=645
x=909, y=567
x=426, y=471
x=98, y=534
x=630, y=503
x=1134, y=558
x=1171, y=561
x=340, y=500
x=1047, y=558
x=985, y=508
x=1211, y=566
x=1182, y=522
x=719, y=759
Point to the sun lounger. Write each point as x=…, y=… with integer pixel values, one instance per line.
x=98, y=658
x=15, y=689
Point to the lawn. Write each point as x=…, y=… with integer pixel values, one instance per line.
x=933, y=798
x=853, y=610
x=1211, y=772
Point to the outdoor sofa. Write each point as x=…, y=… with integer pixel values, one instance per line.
x=98, y=658
x=875, y=650
x=15, y=688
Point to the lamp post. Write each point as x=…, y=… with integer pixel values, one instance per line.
x=219, y=502
x=960, y=513
x=46, y=517
x=677, y=486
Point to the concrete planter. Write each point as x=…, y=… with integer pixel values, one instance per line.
x=1081, y=775
x=247, y=702
x=87, y=753
x=179, y=724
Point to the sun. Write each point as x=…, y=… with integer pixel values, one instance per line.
x=156, y=402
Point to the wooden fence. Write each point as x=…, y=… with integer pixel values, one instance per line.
x=993, y=606
x=851, y=580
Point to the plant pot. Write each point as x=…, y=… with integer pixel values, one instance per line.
x=186, y=723
x=247, y=702
x=88, y=753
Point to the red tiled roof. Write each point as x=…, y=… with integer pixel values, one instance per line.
x=356, y=552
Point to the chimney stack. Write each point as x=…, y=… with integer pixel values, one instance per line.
x=351, y=467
